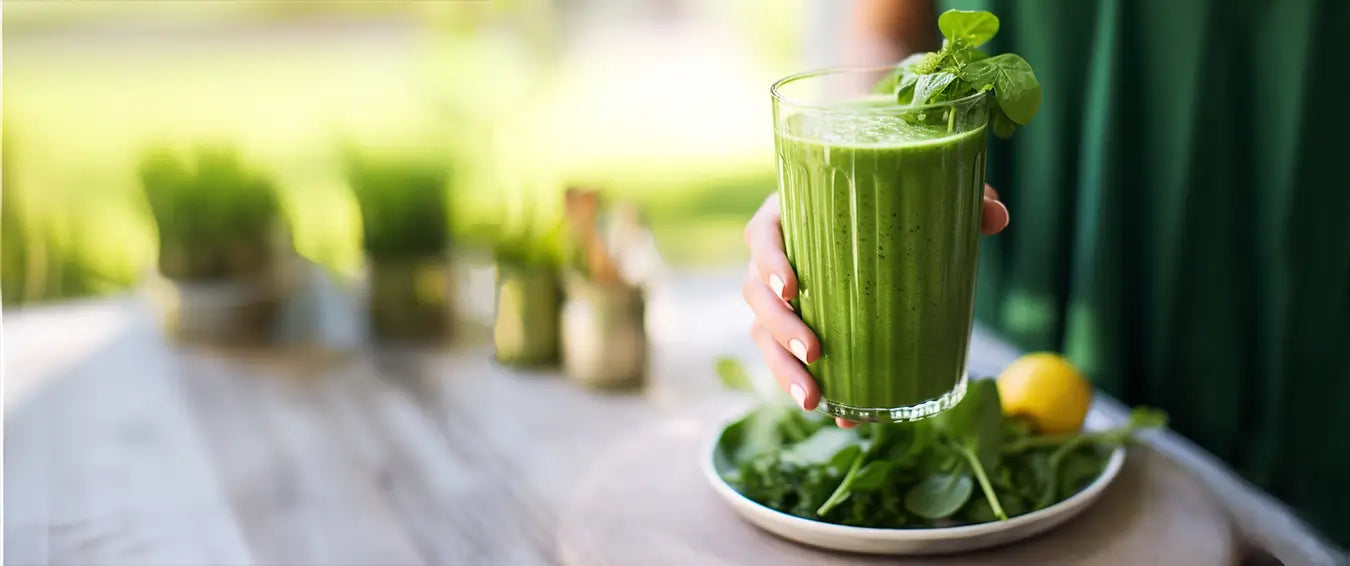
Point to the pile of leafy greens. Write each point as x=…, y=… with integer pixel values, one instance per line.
x=961, y=69
x=967, y=465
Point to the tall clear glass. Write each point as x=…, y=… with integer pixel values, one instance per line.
x=881, y=208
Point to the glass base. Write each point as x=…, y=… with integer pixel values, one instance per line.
x=896, y=414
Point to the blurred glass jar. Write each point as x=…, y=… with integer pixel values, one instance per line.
x=604, y=335
x=240, y=306
x=525, y=327
x=410, y=299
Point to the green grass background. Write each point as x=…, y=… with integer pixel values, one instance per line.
x=521, y=103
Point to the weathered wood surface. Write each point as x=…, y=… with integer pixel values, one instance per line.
x=123, y=450
x=1152, y=514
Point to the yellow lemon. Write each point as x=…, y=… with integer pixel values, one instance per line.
x=1047, y=391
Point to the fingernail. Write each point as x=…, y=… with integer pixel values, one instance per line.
x=776, y=283
x=798, y=349
x=798, y=395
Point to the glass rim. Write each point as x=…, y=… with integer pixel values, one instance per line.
x=776, y=92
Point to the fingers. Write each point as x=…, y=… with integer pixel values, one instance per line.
x=789, y=372
x=788, y=331
x=994, y=215
x=764, y=235
x=844, y=423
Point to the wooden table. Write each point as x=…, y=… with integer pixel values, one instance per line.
x=120, y=449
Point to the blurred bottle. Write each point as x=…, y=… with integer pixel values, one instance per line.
x=604, y=313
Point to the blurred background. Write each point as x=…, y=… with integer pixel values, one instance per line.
x=518, y=98
x=193, y=192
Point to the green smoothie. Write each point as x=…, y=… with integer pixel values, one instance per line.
x=881, y=220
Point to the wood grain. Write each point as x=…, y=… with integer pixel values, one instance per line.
x=104, y=466
x=141, y=453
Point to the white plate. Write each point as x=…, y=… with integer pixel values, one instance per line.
x=909, y=541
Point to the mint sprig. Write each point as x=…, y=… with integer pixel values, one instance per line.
x=961, y=69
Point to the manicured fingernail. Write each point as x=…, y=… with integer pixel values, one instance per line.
x=798, y=349
x=776, y=283
x=798, y=395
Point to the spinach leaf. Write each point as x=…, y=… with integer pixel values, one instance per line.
x=973, y=428
x=1140, y=418
x=844, y=489
x=911, y=61
x=976, y=422
x=873, y=476
x=821, y=448
x=978, y=511
x=929, y=86
x=842, y=459
x=939, y=496
x=922, y=78
x=1014, y=83
x=767, y=429
x=733, y=375
x=900, y=82
x=968, y=28
x=1003, y=125
x=922, y=473
x=1078, y=469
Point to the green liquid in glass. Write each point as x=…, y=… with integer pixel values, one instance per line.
x=881, y=220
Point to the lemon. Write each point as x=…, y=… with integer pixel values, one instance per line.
x=1046, y=390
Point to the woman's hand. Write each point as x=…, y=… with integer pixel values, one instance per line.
x=782, y=338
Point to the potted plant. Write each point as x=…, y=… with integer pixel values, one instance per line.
x=604, y=310
x=224, y=255
x=406, y=240
x=528, y=299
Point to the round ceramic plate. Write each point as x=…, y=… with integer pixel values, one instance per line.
x=910, y=541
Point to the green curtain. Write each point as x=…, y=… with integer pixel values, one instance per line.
x=1181, y=222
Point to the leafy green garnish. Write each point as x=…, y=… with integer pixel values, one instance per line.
x=917, y=474
x=1014, y=84
x=961, y=69
x=939, y=495
x=733, y=375
x=971, y=29
x=973, y=430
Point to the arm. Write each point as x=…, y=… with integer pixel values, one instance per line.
x=885, y=31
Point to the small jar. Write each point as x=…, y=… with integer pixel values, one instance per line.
x=238, y=310
x=525, y=323
x=410, y=300
x=604, y=334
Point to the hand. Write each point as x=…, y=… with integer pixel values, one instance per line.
x=782, y=338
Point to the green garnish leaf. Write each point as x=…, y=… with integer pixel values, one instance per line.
x=960, y=69
x=1014, y=83
x=733, y=375
x=902, y=79
x=974, y=430
x=927, y=87
x=873, y=476
x=968, y=28
x=822, y=447
x=939, y=495
x=968, y=465
x=1002, y=124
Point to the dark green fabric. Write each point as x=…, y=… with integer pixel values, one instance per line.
x=1181, y=222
